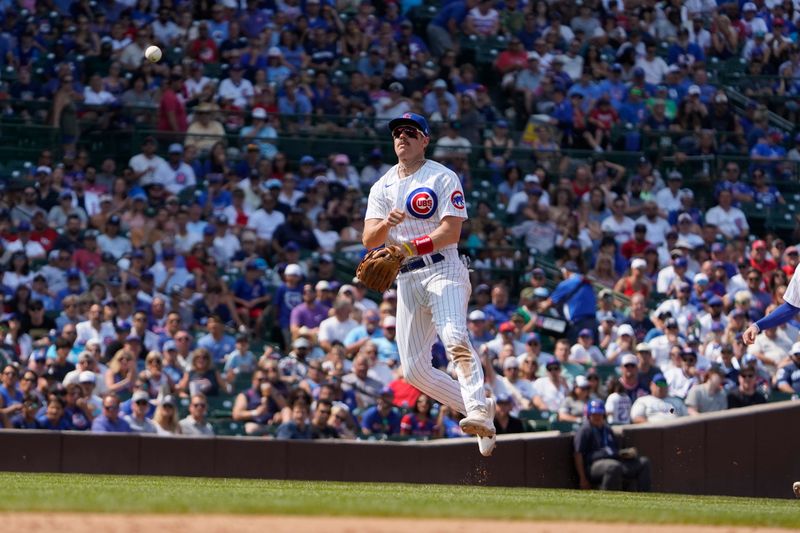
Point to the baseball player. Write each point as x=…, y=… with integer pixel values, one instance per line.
x=419, y=206
x=783, y=314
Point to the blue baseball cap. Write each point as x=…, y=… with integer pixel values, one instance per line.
x=411, y=119
x=660, y=380
x=595, y=407
x=73, y=273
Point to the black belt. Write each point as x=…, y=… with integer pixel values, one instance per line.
x=416, y=264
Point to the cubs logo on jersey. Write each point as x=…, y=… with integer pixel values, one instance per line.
x=422, y=202
x=457, y=199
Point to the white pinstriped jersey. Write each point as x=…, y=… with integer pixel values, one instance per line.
x=792, y=294
x=430, y=194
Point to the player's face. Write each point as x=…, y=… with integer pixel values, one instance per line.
x=409, y=142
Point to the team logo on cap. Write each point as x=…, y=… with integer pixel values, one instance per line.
x=457, y=199
x=422, y=202
x=406, y=115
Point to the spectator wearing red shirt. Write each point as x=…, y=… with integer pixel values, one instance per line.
x=172, y=111
x=204, y=49
x=405, y=394
x=513, y=58
x=601, y=120
x=42, y=233
x=418, y=422
x=759, y=259
x=636, y=245
x=790, y=259
x=88, y=258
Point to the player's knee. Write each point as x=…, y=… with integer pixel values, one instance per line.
x=456, y=342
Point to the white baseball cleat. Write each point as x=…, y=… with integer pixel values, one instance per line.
x=796, y=488
x=486, y=445
x=480, y=422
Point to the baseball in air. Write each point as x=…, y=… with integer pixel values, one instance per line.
x=153, y=54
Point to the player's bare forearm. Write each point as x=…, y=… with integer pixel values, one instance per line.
x=375, y=232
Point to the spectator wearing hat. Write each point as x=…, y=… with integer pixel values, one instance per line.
x=759, y=259
x=513, y=384
x=599, y=460
x=573, y=408
x=261, y=134
x=679, y=307
x=111, y=241
x=383, y=418
x=479, y=332
x=787, y=378
x=657, y=405
x=387, y=344
x=647, y=367
x=746, y=392
x=138, y=420
x=624, y=343
x=165, y=417
x=710, y=396
x=148, y=167
x=251, y=296
x=507, y=335
x=177, y=175
x=236, y=89
x=629, y=377
x=504, y=421
x=584, y=351
x=672, y=277
x=204, y=130
x=711, y=315
x=288, y=296
x=550, y=389
x=637, y=281
x=87, y=258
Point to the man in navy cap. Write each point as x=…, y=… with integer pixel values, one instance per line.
x=599, y=460
x=111, y=241
x=575, y=298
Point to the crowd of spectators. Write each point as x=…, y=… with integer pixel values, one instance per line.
x=138, y=283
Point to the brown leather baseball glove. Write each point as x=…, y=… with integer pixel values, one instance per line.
x=379, y=268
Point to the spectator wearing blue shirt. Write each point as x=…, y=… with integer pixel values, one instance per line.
x=109, y=421
x=251, y=294
x=684, y=51
x=9, y=392
x=788, y=377
x=297, y=428
x=382, y=418
x=294, y=101
x=613, y=87
x=288, y=296
x=215, y=197
x=387, y=345
x=500, y=309
x=576, y=295
x=446, y=25
x=53, y=417
x=216, y=341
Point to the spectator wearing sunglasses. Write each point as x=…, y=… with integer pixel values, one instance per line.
x=196, y=424
x=137, y=420
x=109, y=421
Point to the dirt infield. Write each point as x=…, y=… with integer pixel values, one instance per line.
x=80, y=522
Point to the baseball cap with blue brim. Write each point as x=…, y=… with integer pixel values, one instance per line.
x=660, y=380
x=411, y=119
x=595, y=407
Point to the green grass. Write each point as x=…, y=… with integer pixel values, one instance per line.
x=134, y=494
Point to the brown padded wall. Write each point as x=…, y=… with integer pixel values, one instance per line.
x=746, y=452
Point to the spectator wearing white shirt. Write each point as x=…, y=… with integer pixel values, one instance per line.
x=671, y=277
x=375, y=168
x=669, y=198
x=236, y=88
x=584, y=351
x=483, y=19
x=618, y=224
x=654, y=67
x=94, y=94
x=111, y=241
x=177, y=175
x=164, y=30
x=93, y=328
x=679, y=307
x=684, y=377
x=549, y=391
x=147, y=166
x=657, y=226
x=657, y=405
x=451, y=143
x=266, y=219
x=196, y=81
x=31, y=249
x=336, y=327
x=730, y=220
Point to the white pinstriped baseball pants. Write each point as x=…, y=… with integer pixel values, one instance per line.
x=434, y=300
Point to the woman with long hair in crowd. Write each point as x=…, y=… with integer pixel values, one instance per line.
x=418, y=422
x=121, y=373
x=201, y=376
x=166, y=417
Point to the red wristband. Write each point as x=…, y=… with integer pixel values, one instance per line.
x=424, y=245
